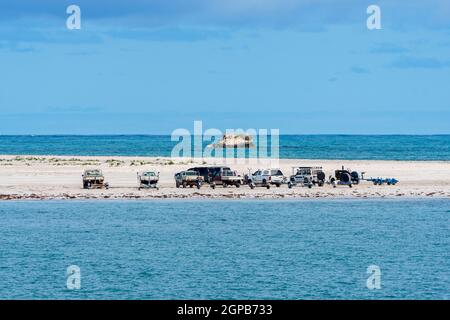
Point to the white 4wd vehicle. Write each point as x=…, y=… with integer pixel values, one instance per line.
x=265, y=178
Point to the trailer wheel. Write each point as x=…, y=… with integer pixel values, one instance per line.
x=321, y=176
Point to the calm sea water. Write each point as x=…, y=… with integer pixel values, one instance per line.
x=225, y=249
x=384, y=147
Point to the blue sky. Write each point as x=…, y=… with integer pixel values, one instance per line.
x=146, y=66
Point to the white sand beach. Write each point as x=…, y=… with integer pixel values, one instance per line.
x=52, y=177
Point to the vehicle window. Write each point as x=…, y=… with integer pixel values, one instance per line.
x=215, y=171
x=93, y=173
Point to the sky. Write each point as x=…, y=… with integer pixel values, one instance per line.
x=152, y=66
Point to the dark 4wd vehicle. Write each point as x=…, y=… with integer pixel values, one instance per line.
x=211, y=174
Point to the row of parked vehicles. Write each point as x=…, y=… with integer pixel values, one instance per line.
x=225, y=177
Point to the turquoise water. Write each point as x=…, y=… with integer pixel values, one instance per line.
x=383, y=147
x=225, y=249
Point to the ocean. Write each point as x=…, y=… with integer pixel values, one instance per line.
x=345, y=147
x=317, y=249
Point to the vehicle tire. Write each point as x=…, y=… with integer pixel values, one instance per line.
x=321, y=176
x=278, y=185
x=184, y=184
x=321, y=183
x=289, y=185
x=224, y=184
x=264, y=182
x=213, y=185
x=268, y=186
x=238, y=184
x=310, y=186
x=346, y=178
x=177, y=184
x=139, y=188
x=88, y=185
x=350, y=185
x=251, y=185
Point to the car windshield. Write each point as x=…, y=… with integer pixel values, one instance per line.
x=149, y=174
x=229, y=173
x=190, y=173
x=93, y=173
x=277, y=173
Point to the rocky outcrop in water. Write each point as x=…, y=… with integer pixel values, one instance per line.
x=234, y=141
